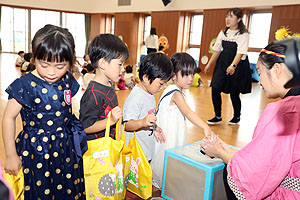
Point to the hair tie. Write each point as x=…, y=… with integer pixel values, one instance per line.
x=272, y=53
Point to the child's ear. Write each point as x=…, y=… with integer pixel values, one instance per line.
x=101, y=63
x=173, y=77
x=145, y=78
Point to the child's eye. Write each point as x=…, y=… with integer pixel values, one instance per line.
x=44, y=66
x=60, y=67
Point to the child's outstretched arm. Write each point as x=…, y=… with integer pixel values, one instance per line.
x=179, y=100
x=116, y=114
x=136, y=125
x=13, y=162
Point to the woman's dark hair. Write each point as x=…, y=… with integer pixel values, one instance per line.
x=54, y=44
x=184, y=63
x=153, y=31
x=269, y=60
x=156, y=65
x=108, y=47
x=128, y=69
x=239, y=14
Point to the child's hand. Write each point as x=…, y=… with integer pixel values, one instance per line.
x=116, y=114
x=208, y=132
x=12, y=165
x=159, y=135
x=149, y=120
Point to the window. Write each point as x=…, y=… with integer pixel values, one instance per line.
x=75, y=23
x=259, y=28
x=112, y=30
x=16, y=36
x=195, y=35
x=39, y=18
x=147, y=28
x=14, y=29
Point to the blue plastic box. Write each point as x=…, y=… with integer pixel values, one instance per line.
x=189, y=175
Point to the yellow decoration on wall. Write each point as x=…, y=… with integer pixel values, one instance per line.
x=284, y=32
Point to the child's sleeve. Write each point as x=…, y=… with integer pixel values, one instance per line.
x=89, y=110
x=74, y=86
x=19, y=91
x=131, y=110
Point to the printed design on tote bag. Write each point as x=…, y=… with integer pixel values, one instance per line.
x=107, y=184
x=134, y=169
x=119, y=182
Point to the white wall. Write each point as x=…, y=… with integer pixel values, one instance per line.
x=111, y=6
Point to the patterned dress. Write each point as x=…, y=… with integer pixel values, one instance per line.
x=45, y=146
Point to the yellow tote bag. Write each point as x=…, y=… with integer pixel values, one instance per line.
x=140, y=175
x=16, y=183
x=126, y=160
x=102, y=166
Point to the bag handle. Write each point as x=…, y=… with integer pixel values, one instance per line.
x=170, y=92
x=118, y=127
x=118, y=130
x=123, y=132
x=107, y=130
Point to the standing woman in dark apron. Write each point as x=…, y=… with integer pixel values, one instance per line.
x=232, y=71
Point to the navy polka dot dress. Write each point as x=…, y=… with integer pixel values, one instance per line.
x=50, y=166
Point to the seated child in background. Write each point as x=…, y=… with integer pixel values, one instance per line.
x=136, y=74
x=197, y=78
x=86, y=61
x=129, y=77
x=121, y=83
x=20, y=59
x=140, y=106
x=88, y=76
x=28, y=64
x=107, y=53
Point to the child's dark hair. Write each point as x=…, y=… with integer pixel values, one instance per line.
x=197, y=70
x=89, y=67
x=20, y=52
x=107, y=46
x=27, y=56
x=156, y=65
x=184, y=63
x=54, y=44
x=269, y=60
x=239, y=14
x=85, y=56
x=128, y=69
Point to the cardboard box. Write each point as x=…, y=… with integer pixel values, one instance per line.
x=189, y=175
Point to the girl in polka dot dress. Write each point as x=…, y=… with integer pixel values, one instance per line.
x=50, y=146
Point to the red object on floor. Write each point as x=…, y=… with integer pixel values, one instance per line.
x=130, y=195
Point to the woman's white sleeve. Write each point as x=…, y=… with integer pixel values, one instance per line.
x=218, y=44
x=242, y=42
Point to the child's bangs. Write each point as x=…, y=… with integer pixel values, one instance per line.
x=54, y=51
x=188, y=69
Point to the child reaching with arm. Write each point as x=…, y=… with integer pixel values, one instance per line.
x=108, y=54
x=46, y=146
x=140, y=106
x=173, y=111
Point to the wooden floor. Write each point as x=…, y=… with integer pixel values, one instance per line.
x=199, y=99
